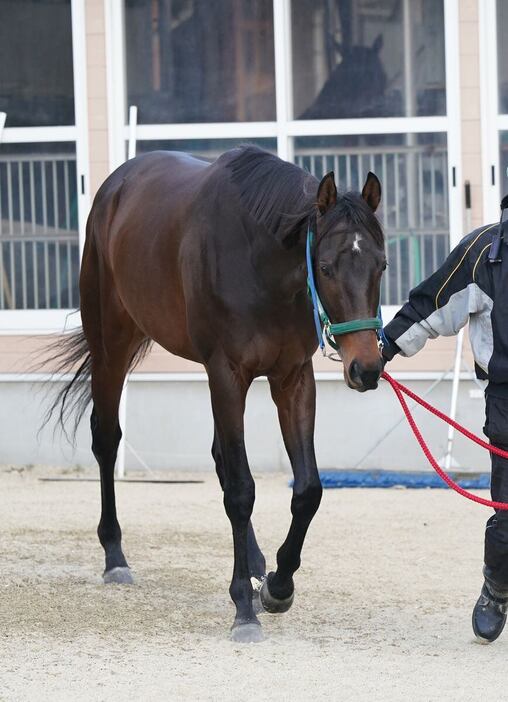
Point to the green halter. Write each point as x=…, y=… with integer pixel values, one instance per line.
x=324, y=327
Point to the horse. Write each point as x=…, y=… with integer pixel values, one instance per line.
x=209, y=261
x=359, y=75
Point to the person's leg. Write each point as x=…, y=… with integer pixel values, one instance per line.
x=489, y=614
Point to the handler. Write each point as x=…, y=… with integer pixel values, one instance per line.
x=472, y=285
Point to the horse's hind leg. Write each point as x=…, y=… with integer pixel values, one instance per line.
x=228, y=391
x=107, y=384
x=296, y=405
x=113, y=339
x=257, y=562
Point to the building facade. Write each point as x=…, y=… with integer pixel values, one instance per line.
x=414, y=90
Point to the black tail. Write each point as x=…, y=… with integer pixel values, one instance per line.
x=65, y=353
x=74, y=397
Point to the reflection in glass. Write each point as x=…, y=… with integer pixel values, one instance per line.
x=36, y=74
x=413, y=172
x=39, y=250
x=503, y=162
x=371, y=58
x=207, y=149
x=502, y=54
x=196, y=61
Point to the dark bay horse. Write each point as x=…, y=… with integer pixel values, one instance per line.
x=209, y=261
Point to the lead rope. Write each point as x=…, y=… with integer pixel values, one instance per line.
x=398, y=388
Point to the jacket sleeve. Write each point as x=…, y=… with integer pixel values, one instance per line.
x=439, y=306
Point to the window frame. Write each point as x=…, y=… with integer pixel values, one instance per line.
x=285, y=128
x=492, y=121
x=31, y=321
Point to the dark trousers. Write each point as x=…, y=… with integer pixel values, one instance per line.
x=496, y=532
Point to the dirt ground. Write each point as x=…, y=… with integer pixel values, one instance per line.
x=382, y=608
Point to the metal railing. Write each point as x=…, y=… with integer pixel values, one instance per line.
x=39, y=250
x=414, y=210
x=39, y=245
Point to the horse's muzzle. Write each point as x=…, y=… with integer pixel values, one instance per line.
x=364, y=378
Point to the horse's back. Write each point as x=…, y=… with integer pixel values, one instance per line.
x=152, y=174
x=135, y=230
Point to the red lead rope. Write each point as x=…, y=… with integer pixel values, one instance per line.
x=399, y=390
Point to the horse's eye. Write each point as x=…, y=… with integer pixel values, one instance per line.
x=383, y=267
x=325, y=270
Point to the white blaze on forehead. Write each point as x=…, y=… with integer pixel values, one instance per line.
x=356, y=243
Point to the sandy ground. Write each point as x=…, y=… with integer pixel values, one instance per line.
x=382, y=608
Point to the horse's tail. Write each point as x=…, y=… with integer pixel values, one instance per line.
x=70, y=354
x=71, y=401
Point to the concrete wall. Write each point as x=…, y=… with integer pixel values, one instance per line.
x=169, y=424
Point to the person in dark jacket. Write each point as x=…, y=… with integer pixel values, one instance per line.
x=472, y=286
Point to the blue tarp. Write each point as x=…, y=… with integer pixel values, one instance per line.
x=394, y=478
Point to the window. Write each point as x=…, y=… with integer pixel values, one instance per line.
x=360, y=86
x=36, y=71
x=502, y=55
x=39, y=252
x=371, y=58
x=194, y=61
x=41, y=204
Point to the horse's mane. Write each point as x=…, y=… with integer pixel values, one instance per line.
x=278, y=195
x=281, y=196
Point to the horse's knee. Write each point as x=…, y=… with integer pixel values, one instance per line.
x=306, y=498
x=239, y=500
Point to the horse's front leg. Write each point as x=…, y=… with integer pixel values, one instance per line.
x=295, y=398
x=257, y=562
x=228, y=390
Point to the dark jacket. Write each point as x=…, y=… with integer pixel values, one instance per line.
x=467, y=287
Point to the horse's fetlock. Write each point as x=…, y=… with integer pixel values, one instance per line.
x=109, y=535
x=241, y=590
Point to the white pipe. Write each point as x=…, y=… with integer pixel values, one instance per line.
x=133, y=123
x=122, y=419
x=455, y=394
x=456, y=370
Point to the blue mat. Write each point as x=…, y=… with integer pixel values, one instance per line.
x=393, y=478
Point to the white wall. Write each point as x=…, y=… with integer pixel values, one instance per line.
x=169, y=424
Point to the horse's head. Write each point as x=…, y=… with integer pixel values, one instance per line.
x=349, y=260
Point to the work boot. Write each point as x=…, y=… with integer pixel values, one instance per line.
x=489, y=614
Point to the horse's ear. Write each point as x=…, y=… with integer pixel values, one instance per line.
x=327, y=193
x=371, y=192
x=378, y=44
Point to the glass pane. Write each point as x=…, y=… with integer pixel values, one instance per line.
x=36, y=76
x=413, y=170
x=208, y=149
x=371, y=58
x=195, y=61
x=503, y=162
x=39, y=249
x=502, y=54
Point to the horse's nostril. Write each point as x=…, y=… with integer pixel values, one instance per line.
x=367, y=378
x=354, y=371
x=370, y=378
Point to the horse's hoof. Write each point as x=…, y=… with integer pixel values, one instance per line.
x=250, y=632
x=257, y=584
x=120, y=575
x=272, y=604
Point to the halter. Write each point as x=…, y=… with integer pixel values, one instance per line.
x=325, y=330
